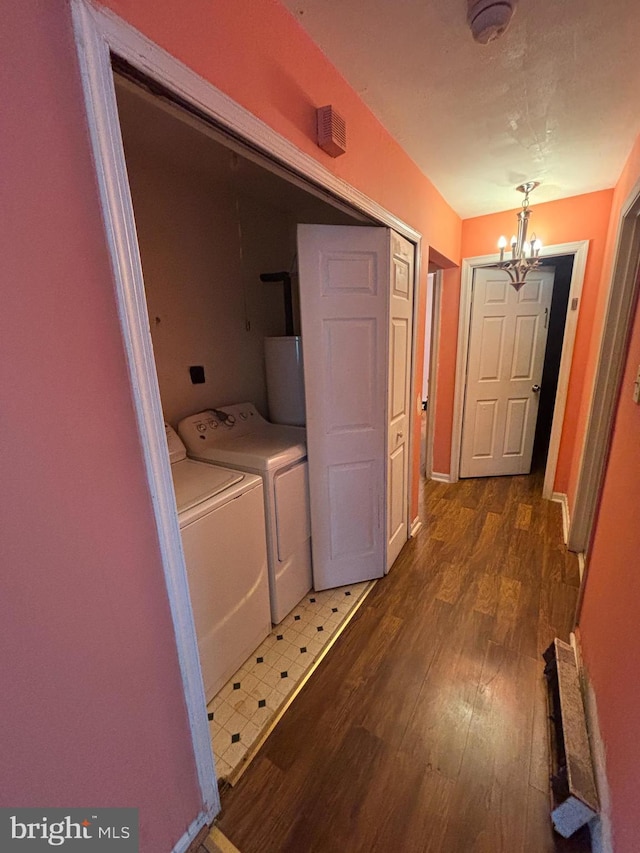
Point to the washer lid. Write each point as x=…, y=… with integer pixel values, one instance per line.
x=195, y=482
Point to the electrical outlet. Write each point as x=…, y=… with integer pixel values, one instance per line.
x=197, y=374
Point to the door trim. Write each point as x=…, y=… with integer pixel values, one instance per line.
x=94, y=42
x=99, y=33
x=618, y=319
x=414, y=525
x=579, y=250
x=433, y=372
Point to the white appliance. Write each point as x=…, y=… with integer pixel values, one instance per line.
x=221, y=518
x=284, y=371
x=239, y=437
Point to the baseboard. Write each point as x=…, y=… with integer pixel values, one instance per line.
x=204, y=819
x=416, y=527
x=600, y=827
x=561, y=498
x=440, y=478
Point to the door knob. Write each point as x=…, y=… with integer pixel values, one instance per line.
x=535, y=388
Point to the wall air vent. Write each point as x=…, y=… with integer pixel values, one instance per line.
x=332, y=131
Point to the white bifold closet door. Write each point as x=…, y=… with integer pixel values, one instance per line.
x=356, y=296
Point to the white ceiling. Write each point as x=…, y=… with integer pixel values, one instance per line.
x=555, y=99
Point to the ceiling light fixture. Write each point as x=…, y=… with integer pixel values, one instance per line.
x=524, y=252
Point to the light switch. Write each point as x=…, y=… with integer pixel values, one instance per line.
x=636, y=387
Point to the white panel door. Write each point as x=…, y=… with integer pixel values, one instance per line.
x=507, y=341
x=344, y=284
x=399, y=396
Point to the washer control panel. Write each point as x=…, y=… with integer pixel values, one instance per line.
x=214, y=425
x=177, y=450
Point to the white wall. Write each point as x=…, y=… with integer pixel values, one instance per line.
x=203, y=246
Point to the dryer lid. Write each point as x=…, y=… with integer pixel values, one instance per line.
x=238, y=436
x=260, y=452
x=195, y=482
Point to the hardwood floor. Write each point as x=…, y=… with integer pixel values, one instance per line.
x=424, y=729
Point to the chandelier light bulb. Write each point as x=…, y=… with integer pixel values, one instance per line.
x=537, y=245
x=502, y=242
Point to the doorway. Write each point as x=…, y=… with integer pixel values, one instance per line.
x=563, y=265
x=430, y=367
x=513, y=366
x=578, y=251
x=210, y=222
x=100, y=37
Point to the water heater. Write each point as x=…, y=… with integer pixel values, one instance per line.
x=285, y=380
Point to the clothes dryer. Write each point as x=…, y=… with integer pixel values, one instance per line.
x=221, y=518
x=239, y=437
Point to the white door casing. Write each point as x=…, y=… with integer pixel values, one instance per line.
x=344, y=278
x=580, y=251
x=507, y=341
x=614, y=340
x=399, y=393
x=433, y=377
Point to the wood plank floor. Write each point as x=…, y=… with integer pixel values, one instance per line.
x=424, y=729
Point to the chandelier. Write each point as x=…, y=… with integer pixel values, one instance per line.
x=525, y=251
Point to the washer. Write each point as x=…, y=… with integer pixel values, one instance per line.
x=221, y=518
x=239, y=437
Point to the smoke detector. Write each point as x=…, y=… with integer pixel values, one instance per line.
x=332, y=131
x=488, y=19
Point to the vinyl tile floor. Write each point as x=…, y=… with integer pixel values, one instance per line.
x=248, y=703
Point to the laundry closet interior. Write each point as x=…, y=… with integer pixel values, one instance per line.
x=217, y=229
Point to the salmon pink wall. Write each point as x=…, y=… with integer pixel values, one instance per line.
x=584, y=217
x=620, y=193
x=91, y=707
x=257, y=53
x=609, y=618
x=282, y=78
